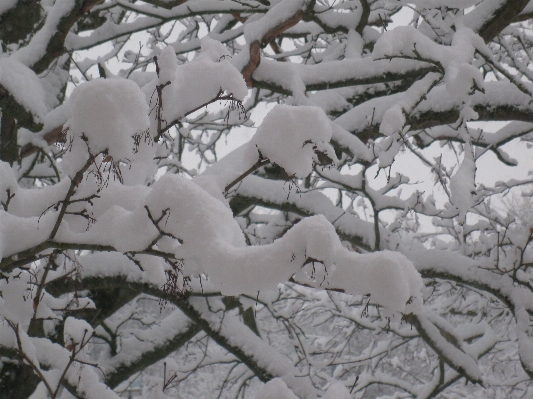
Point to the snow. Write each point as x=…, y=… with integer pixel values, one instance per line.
x=297, y=77
x=194, y=217
x=252, y=269
x=274, y=17
x=388, y=277
x=326, y=258
x=20, y=233
x=213, y=49
x=15, y=307
x=117, y=227
x=37, y=47
x=337, y=391
x=113, y=265
x=394, y=118
x=456, y=358
x=104, y=116
x=27, y=345
x=108, y=113
x=24, y=85
x=275, y=389
x=458, y=4
x=25, y=202
x=197, y=218
x=76, y=332
x=460, y=76
x=303, y=130
x=463, y=186
x=192, y=84
x=167, y=63
x=354, y=46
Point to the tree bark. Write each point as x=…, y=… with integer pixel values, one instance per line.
x=8, y=139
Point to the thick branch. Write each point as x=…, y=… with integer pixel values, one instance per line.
x=56, y=44
x=156, y=353
x=253, y=63
x=448, y=352
x=492, y=16
x=255, y=47
x=8, y=138
x=183, y=304
x=32, y=254
x=364, y=17
x=10, y=108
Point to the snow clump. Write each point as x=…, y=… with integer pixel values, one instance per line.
x=275, y=389
x=293, y=136
x=76, y=331
x=192, y=84
x=103, y=116
x=463, y=184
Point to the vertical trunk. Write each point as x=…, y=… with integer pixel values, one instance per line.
x=8, y=138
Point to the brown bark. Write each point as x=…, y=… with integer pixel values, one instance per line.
x=255, y=47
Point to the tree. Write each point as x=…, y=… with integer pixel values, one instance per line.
x=131, y=249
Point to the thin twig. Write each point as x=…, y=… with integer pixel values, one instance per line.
x=257, y=165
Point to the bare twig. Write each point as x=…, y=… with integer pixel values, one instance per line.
x=261, y=162
x=78, y=177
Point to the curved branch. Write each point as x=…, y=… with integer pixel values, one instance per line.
x=364, y=17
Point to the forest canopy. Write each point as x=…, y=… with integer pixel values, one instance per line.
x=267, y=199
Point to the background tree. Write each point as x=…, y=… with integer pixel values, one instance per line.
x=109, y=271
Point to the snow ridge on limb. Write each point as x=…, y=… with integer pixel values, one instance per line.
x=491, y=17
x=500, y=100
x=21, y=87
x=272, y=75
x=447, y=349
x=141, y=350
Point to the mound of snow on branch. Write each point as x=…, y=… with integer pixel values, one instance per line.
x=104, y=116
x=189, y=86
x=292, y=137
x=212, y=243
